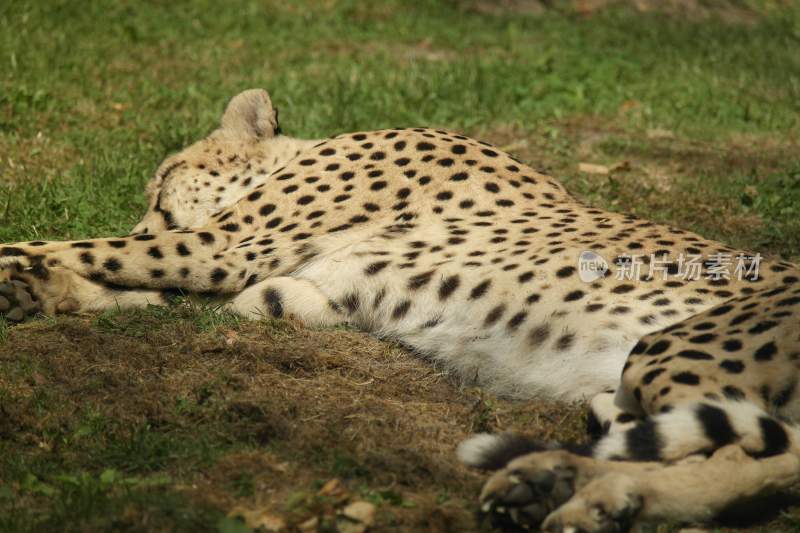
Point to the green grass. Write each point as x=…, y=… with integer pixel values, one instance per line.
x=113, y=87
x=93, y=95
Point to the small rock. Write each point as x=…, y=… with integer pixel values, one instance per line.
x=4, y=305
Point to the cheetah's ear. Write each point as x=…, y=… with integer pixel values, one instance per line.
x=250, y=114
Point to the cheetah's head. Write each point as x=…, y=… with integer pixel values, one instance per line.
x=214, y=173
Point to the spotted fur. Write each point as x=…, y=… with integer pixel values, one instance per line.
x=470, y=257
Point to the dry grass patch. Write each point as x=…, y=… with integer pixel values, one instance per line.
x=257, y=416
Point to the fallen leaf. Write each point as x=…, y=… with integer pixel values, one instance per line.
x=335, y=490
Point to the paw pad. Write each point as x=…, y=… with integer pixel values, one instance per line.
x=522, y=498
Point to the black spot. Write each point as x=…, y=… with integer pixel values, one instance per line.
x=721, y=310
x=459, y=176
x=218, y=274
x=425, y=147
x=783, y=397
x=766, y=352
x=112, y=264
x=702, y=339
x=274, y=301
x=761, y=327
x=157, y=273
x=622, y=289
x=352, y=302
x=565, y=272
x=732, y=366
x=11, y=251
x=155, y=252
x=273, y=223
x=87, y=258
x=420, y=280
x=146, y=237
x=494, y=315
x=376, y=267
x=788, y=301
x=733, y=393
x=480, y=289
x=118, y=244
x=775, y=439
x=741, y=318
x=266, y=209
x=182, y=249
x=643, y=442
x=565, y=341
x=205, y=237
x=732, y=345
x=401, y=309
x=448, y=286
x=516, y=320
x=640, y=347
x=651, y=375
x=716, y=425
x=658, y=347
x=686, y=378
x=574, y=295
x=444, y=195
x=695, y=355
x=539, y=334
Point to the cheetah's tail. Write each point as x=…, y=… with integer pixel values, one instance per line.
x=693, y=428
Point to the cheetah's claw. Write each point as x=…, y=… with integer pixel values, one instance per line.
x=522, y=497
x=16, y=301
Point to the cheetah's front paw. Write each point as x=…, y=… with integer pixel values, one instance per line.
x=608, y=504
x=528, y=489
x=16, y=301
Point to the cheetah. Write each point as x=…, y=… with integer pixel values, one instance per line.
x=477, y=262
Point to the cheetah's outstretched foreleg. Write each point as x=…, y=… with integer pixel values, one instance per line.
x=567, y=492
